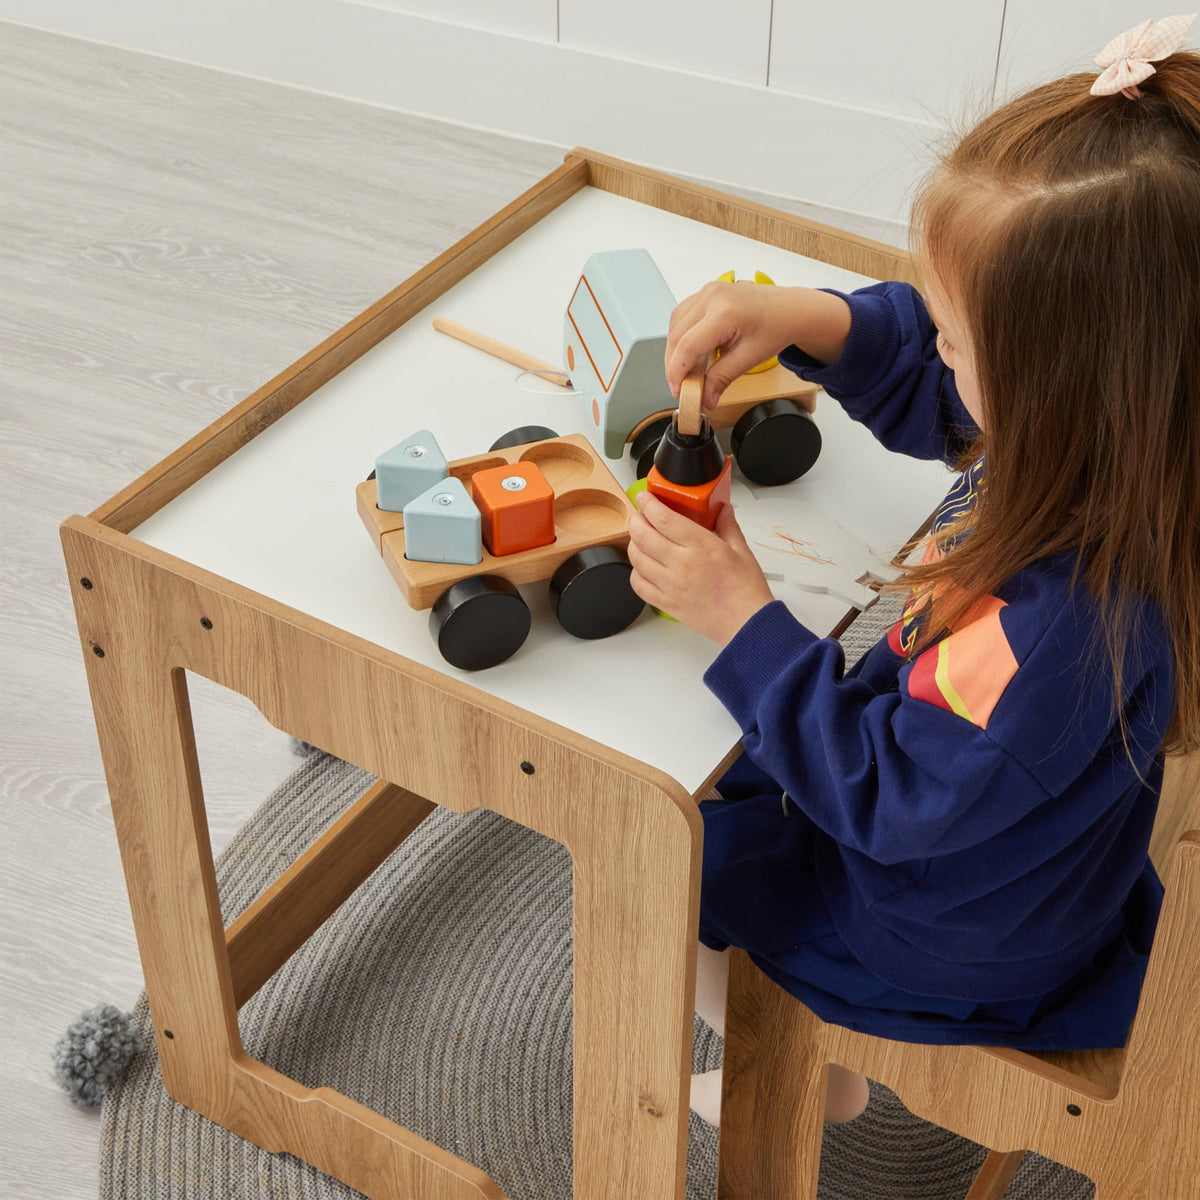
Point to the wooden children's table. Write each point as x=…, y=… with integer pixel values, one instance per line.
x=241, y=558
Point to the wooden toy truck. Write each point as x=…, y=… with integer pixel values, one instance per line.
x=614, y=338
x=477, y=617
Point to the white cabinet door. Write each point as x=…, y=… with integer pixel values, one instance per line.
x=536, y=19
x=710, y=37
x=931, y=59
x=1043, y=41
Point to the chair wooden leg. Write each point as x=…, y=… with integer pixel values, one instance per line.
x=773, y=1107
x=995, y=1175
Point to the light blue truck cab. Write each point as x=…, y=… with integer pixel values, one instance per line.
x=614, y=338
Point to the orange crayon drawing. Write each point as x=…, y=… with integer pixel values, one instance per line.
x=793, y=547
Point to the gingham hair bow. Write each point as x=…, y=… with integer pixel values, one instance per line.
x=1127, y=59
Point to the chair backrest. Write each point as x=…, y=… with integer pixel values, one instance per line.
x=1178, y=807
x=1178, y=817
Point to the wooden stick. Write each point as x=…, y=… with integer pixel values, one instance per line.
x=691, y=393
x=508, y=354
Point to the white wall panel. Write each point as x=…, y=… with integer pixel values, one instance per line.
x=923, y=58
x=711, y=37
x=850, y=159
x=1042, y=41
x=518, y=18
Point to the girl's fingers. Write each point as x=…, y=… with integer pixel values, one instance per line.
x=645, y=564
x=728, y=530
x=649, y=541
x=693, y=345
x=646, y=576
x=683, y=317
x=647, y=589
x=674, y=528
x=697, y=339
x=681, y=314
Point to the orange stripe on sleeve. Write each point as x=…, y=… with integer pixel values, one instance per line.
x=968, y=670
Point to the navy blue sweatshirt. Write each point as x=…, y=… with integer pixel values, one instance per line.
x=980, y=822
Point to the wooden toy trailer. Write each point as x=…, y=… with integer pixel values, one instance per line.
x=614, y=340
x=477, y=617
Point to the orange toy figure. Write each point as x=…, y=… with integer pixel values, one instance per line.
x=691, y=474
x=516, y=504
x=701, y=502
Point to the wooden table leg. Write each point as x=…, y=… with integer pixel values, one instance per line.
x=636, y=906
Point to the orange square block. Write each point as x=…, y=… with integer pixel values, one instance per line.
x=701, y=503
x=516, y=503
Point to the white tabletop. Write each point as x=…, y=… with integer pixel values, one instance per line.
x=278, y=516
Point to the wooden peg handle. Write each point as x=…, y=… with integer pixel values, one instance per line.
x=508, y=354
x=691, y=394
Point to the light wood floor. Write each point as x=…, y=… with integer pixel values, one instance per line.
x=170, y=238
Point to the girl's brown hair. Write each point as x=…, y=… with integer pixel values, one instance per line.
x=1065, y=231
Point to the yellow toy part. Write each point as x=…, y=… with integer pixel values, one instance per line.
x=632, y=491
x=759, y=277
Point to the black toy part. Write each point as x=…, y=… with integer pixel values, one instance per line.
x=775, y=442
x=590, y=593
x=521, y=436
x=689, y=459
x=479, y=622
x=643, y=447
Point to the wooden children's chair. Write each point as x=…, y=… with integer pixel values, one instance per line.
x=1128, y=1118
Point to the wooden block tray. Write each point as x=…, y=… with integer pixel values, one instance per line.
x=590, y=509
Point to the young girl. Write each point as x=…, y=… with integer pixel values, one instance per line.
x=948, y=842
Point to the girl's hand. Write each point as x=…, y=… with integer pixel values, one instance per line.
x=710, y=581
x=749, y=323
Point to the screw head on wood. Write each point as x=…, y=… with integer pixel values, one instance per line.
x=97, y=651
x=206, y=622
x=527, y=767
x=86, y=583
x=1074, y=1110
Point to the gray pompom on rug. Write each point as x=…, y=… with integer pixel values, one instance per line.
x=93, y=1053
x=440, y=995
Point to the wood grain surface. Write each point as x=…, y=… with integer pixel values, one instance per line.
x=172, y=238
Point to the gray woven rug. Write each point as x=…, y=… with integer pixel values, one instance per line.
x=440, y=996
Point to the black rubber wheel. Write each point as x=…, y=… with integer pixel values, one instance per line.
x=479, y=622
x=590, y=593
x=522, y=436
x=775, y=442
x=641, y=452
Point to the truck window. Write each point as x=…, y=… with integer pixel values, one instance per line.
x=594, y=334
